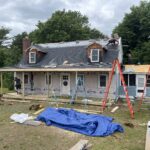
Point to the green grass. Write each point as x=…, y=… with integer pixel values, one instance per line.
x=22, y=137
x=6, y=90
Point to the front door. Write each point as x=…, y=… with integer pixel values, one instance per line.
x=65, y=84
x=140, y=82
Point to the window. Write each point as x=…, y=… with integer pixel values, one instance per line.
x=102, y=80
x=26, y=79
x=130, y=79
x=80, y=80
x=148, y=80
x=95, y=55
x=32, y=57
x=48, y=78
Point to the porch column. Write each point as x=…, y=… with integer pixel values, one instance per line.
x=76, y=78
x=76, y=85
x=23, y=85
x=47, y=74
x=1, y=74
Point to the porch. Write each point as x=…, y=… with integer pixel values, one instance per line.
x=52, y=82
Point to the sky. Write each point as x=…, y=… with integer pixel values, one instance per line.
x=23, y=15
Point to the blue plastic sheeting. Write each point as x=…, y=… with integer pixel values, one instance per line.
x=88, y=124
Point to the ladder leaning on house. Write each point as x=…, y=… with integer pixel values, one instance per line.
x=74, y=95
x=142, y=96
x=104, y=101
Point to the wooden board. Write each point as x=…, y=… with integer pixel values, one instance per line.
x=147, y=143
x=39, y=111
x=80, y=145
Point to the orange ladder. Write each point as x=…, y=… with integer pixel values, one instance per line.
x=104, y=101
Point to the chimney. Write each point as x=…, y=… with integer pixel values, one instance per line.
x=26, y=44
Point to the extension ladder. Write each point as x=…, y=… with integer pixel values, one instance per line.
x=116, y=62
x=142, y=97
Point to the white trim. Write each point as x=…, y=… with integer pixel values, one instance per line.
x=92, y=55
x=30, y=58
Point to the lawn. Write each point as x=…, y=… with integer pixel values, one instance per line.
x=15, y=136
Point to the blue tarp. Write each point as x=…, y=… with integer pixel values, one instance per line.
x=88, y=124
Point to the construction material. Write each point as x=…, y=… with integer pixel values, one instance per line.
x=32, y=122
x=39, y=111
x=142, y=97
x=87, y=124
x=147, y=143
x=114, y=109
x=128, y=124
x=81, y=145
x=20, y=118
x=104, y=101
x=36, y=107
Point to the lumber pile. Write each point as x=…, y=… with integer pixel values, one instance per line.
x=81, y=145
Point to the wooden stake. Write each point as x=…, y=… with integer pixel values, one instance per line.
x=23, y=85
x=1, y=82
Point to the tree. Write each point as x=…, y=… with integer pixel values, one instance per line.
x=135, y=32
x=3, y=37
x=15, y=52
x=64, y=26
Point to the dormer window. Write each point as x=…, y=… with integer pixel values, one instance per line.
x=32, y=57
x=95, y=55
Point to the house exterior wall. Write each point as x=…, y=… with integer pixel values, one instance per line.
x=132, y=90
x=91, y=82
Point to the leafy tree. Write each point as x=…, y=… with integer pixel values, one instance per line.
x=15, y=52
x=64, y=26
x=135, y=32
x=3, y=34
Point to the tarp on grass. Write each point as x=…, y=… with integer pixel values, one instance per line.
x=88, y=124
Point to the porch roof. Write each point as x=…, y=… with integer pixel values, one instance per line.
x=12, y=69
x=142, y=69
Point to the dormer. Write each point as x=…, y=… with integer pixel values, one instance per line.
x=95, y=53
x=35, y=55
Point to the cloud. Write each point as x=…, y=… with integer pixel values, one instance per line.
x=23, y=15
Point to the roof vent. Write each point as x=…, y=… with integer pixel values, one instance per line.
x=77, y=42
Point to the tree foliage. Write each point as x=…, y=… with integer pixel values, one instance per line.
x=64, y=26
x=135, y=32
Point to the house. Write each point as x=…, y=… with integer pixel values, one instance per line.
x=135, y=77
x=65, y=67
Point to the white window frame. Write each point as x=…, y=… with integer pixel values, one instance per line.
x=99, y=80
x=30, y=58
x=92, y=55
x=83, y=79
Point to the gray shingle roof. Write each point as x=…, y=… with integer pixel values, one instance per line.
x=71, y=54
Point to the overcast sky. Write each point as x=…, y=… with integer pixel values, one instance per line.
x=23, y=15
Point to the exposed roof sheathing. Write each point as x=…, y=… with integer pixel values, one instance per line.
x=137, y=68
